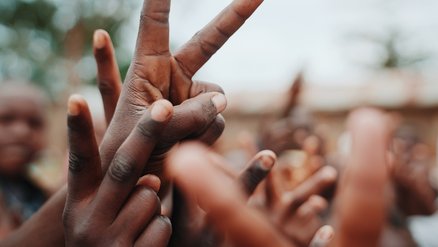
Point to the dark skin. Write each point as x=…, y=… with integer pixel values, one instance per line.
x=22, y=137
x=22, y=128
x=154, y=74
x=224, y=199
x=295, y=212
x=415, y=195
x=186, y=212
x=361, y=209
x=93, y=216
x=201, y=106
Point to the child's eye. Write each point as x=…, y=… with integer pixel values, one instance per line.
x=6, y=119
x=35, y=123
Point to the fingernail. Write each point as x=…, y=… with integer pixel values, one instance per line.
x=73, y=108
x=99, y=39
x=220, y=102
x=326, y=233
x=161, y=110
x=318, y=203
x=165, y=219
x=267, y=160
x=329, y=173
x=151, y=181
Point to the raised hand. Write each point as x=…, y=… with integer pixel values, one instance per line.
x=296, y=212
x=360, y=203
x=155, y=73
x=224, y=198
x=102, y=208
x=191, y=226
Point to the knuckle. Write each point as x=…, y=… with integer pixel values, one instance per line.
x=200, y=117
x=196, y=116
x=122, y=169
x=159, y=17
x=82, y=235
x=208, y=47
x=75, y=162
x=106, y=86
x=241, y=10
x=224, y=34
x=203, y=113
x=147, y=129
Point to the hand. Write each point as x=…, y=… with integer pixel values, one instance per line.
x=155, y=73
x=296, y=213
x=190, y=223
x=224, y=198
x=206, y=126
x=114, y=207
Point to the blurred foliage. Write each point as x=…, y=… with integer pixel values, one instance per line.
x=48, y=42
x=390, y=51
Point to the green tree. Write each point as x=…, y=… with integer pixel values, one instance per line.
x=48, y=42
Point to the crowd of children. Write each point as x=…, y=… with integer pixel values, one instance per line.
x=152, y=179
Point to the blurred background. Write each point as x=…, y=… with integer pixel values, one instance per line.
x=349, y=53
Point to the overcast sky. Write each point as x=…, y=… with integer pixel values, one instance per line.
x=286, y=35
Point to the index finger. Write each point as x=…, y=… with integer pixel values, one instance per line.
x=131, y=158
x=195, y=53
x=108, y=74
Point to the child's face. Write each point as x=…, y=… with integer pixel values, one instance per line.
x=22, y=131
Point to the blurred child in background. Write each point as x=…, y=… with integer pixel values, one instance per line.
x=22, y=138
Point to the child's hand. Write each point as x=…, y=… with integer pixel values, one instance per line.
x=191, y=227
x=155, y=73
x=114, y=207
x=195, y=118
x=200, y=174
